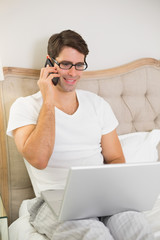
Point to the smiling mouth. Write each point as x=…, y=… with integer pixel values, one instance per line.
x=70, y=81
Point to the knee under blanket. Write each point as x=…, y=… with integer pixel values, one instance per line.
x=127, y=225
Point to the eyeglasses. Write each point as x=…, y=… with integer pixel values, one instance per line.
x=66, y=65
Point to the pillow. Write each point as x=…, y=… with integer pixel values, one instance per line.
x=140, y=146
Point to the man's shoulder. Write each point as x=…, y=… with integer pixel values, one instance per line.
x=93, y=99
x=36, y=97
x=28, y=102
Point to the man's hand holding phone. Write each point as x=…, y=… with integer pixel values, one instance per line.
x=47, y=80
x=49, y=63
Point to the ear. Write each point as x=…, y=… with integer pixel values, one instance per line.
x=48, y=57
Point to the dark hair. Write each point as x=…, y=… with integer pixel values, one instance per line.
x=67, y=38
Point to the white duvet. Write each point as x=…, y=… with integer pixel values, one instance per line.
x=21, y=229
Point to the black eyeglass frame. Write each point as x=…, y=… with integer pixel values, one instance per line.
x=59, y=64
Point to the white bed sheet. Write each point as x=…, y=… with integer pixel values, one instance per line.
x=22, y=229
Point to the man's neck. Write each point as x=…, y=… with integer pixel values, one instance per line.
x=68, y=102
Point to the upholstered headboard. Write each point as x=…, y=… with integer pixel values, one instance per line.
x=133, y=90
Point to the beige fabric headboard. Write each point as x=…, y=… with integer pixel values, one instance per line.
x=133, y=90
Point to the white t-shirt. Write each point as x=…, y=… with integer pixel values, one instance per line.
x=77, y=136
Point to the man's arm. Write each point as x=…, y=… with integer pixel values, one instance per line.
x=36, y=142
x=111, y=148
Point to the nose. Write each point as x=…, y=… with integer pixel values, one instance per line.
x=72, y=71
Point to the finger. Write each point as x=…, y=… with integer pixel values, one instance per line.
x=53, y=75
x=45, y=72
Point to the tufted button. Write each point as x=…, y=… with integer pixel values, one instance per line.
x=146, y=93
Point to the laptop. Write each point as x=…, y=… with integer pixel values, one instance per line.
x=105, y=190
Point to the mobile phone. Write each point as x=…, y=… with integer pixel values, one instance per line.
x=55, y=79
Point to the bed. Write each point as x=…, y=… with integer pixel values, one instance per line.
x=133, y=91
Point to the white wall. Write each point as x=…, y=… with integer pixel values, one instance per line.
x=117, y=31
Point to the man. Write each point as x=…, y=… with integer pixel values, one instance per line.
x=61, y=127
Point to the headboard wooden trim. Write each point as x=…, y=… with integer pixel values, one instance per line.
x=21, y=71
x=123, y=68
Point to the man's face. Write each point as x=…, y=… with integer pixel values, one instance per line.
x=69, y=78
